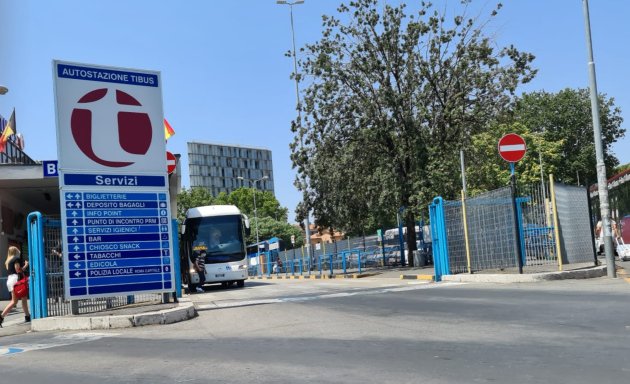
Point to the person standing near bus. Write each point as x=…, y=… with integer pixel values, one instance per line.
x=200, y=267
x=15, y=266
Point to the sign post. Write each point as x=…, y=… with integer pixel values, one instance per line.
x=116, y=224
x=512, y=148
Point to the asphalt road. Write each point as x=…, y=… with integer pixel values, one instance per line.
x=357, y=331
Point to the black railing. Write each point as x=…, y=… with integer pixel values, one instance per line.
x=14, y=155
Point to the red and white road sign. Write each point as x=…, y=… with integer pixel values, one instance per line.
x=171, y=162
x=512, y=147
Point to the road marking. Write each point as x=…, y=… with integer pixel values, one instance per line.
x=410, y=287
x=56, y=341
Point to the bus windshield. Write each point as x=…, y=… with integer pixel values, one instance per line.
x=220, y=237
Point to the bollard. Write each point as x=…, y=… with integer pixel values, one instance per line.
x=320, y=265
x=331, y=264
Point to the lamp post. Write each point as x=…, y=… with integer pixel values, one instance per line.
x=307, y=224
x=297, y=88
x=602, y=183
x=253, y=184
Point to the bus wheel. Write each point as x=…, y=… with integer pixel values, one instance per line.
x=240, y=283
x=225, y=284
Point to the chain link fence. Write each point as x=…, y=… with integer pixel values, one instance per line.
x=538, y=238
x=491, y=230
x=486, y=232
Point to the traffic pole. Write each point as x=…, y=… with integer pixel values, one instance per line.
x=517, y=232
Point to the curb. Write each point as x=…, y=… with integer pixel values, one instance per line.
x=418, y=277
x=527, y=278
x=184, y=311
x=314, y=277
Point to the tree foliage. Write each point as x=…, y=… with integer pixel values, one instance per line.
x=189, y=198
x=566, y=116
x=390, y=100
x=269, y=227
x=266, y=203
x=486, y=170
x=272, y=217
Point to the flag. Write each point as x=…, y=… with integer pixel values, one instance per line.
x=168, y=130
x=8, y=131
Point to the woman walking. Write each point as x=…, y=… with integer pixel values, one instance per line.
x=15, y=266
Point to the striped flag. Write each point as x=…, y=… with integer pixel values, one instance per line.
x=8, y=131
x=168, y=130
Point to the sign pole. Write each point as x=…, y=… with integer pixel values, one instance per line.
x=517, y=232
x=512, y=148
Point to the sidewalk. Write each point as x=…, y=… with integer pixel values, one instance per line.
x=124, y=317
x=14, y=322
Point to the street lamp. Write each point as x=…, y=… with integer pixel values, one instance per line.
x=602, y=183
x=253, y=184
x=297, y=80
x=297, y=95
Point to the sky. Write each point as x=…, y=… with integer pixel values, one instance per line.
x=225, y=76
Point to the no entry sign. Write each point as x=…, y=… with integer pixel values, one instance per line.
x=512, y=147
x=171, y=162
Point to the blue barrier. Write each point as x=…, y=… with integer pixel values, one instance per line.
x=176, y=261
x=37, y=282
x=268, y=257
x=439, y=240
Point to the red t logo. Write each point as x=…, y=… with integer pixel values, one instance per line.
x=134, y=128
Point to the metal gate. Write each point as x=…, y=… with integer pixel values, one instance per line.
x=478, y=233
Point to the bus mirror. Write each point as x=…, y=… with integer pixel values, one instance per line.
x=246, y=225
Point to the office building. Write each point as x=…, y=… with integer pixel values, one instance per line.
x=217, y=167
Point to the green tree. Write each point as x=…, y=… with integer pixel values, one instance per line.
x=566, y=116
x=486, y=170
x=189, y=198
x=391, y=100
x=269, y=227
x=266, y=203
x=272, y=217
x=622, y=167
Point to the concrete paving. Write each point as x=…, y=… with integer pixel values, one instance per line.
x=156, y=314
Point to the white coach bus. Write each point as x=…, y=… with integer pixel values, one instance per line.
x=219, y=231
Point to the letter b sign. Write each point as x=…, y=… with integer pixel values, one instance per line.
x=50, y=168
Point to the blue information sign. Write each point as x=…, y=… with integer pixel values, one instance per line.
x=117, y=242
